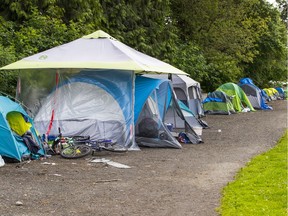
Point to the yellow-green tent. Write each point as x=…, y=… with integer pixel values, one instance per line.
x=239, y=98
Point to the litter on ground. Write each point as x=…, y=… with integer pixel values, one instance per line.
x=111, y=163
x=47, y=163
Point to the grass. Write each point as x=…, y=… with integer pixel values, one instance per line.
x=260, y=188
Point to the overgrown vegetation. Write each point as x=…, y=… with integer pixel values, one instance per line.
x=216, y=41
x=261, y=187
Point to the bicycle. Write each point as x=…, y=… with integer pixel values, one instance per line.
x=61, y=142
x=76, y=150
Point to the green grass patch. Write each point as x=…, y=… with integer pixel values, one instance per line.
x=260, y=188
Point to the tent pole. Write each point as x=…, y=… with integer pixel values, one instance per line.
x=54, y=103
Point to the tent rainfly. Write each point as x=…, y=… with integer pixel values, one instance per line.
x=218, y=102
x=254, y=94
x=187, y=90
x=155, y=106
x=240, y=100
x=14, y=124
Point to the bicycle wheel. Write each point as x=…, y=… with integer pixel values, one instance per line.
x=75, y=151
x=114, y=148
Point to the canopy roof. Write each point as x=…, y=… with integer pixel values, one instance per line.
x=183, y=80
x=94, y=51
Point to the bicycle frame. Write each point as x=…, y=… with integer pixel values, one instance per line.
x=62, y=142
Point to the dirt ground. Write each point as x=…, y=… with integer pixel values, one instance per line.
x=160, y=181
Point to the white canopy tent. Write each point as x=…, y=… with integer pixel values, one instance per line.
x=96, y=53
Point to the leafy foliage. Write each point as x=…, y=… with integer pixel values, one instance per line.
x=232, y=35
x=190, y=59
x=270, y=63
x=283, y=8
x=214, y=41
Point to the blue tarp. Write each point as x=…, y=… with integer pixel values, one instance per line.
x=211, y=99
x=246, y=81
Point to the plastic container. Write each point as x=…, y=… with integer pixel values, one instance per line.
x=169, y=126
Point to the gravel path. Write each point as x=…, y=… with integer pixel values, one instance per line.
x=160, y=182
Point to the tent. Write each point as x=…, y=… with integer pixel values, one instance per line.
x=14, y=123
x=97, y=51
x=187, y=90
x=95, y=103
x=280, y=92
x=99, y=104
x=94, y=51
x=177, y=123
x=272, y=93
x=254, y=94
x=239, y=99
x=189, y=98
x=154, y=99
x=218, y=102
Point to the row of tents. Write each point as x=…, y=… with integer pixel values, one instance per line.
x=91, y=103
x=100, y=87
x=242, y=97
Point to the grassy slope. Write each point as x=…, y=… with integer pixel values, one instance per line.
x=260, y=188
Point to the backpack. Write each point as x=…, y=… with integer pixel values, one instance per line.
x=183, y=138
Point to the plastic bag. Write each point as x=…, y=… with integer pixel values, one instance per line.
x=2, y=163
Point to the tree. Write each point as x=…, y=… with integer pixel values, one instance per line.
x=215, y=41
x=283, y=8
x=232, y=35
x=270, y=63
x=142, y=24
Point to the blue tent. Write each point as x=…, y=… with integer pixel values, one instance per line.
x=11, y=144
x=250, y=82
x=150, y=102
x=91, y=103
x=281, y=92
x=107, y=104
x=144, y=86
x=153, y=99
x=256, y=96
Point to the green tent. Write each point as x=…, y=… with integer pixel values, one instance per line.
x=218, y=102
x=239, y=98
